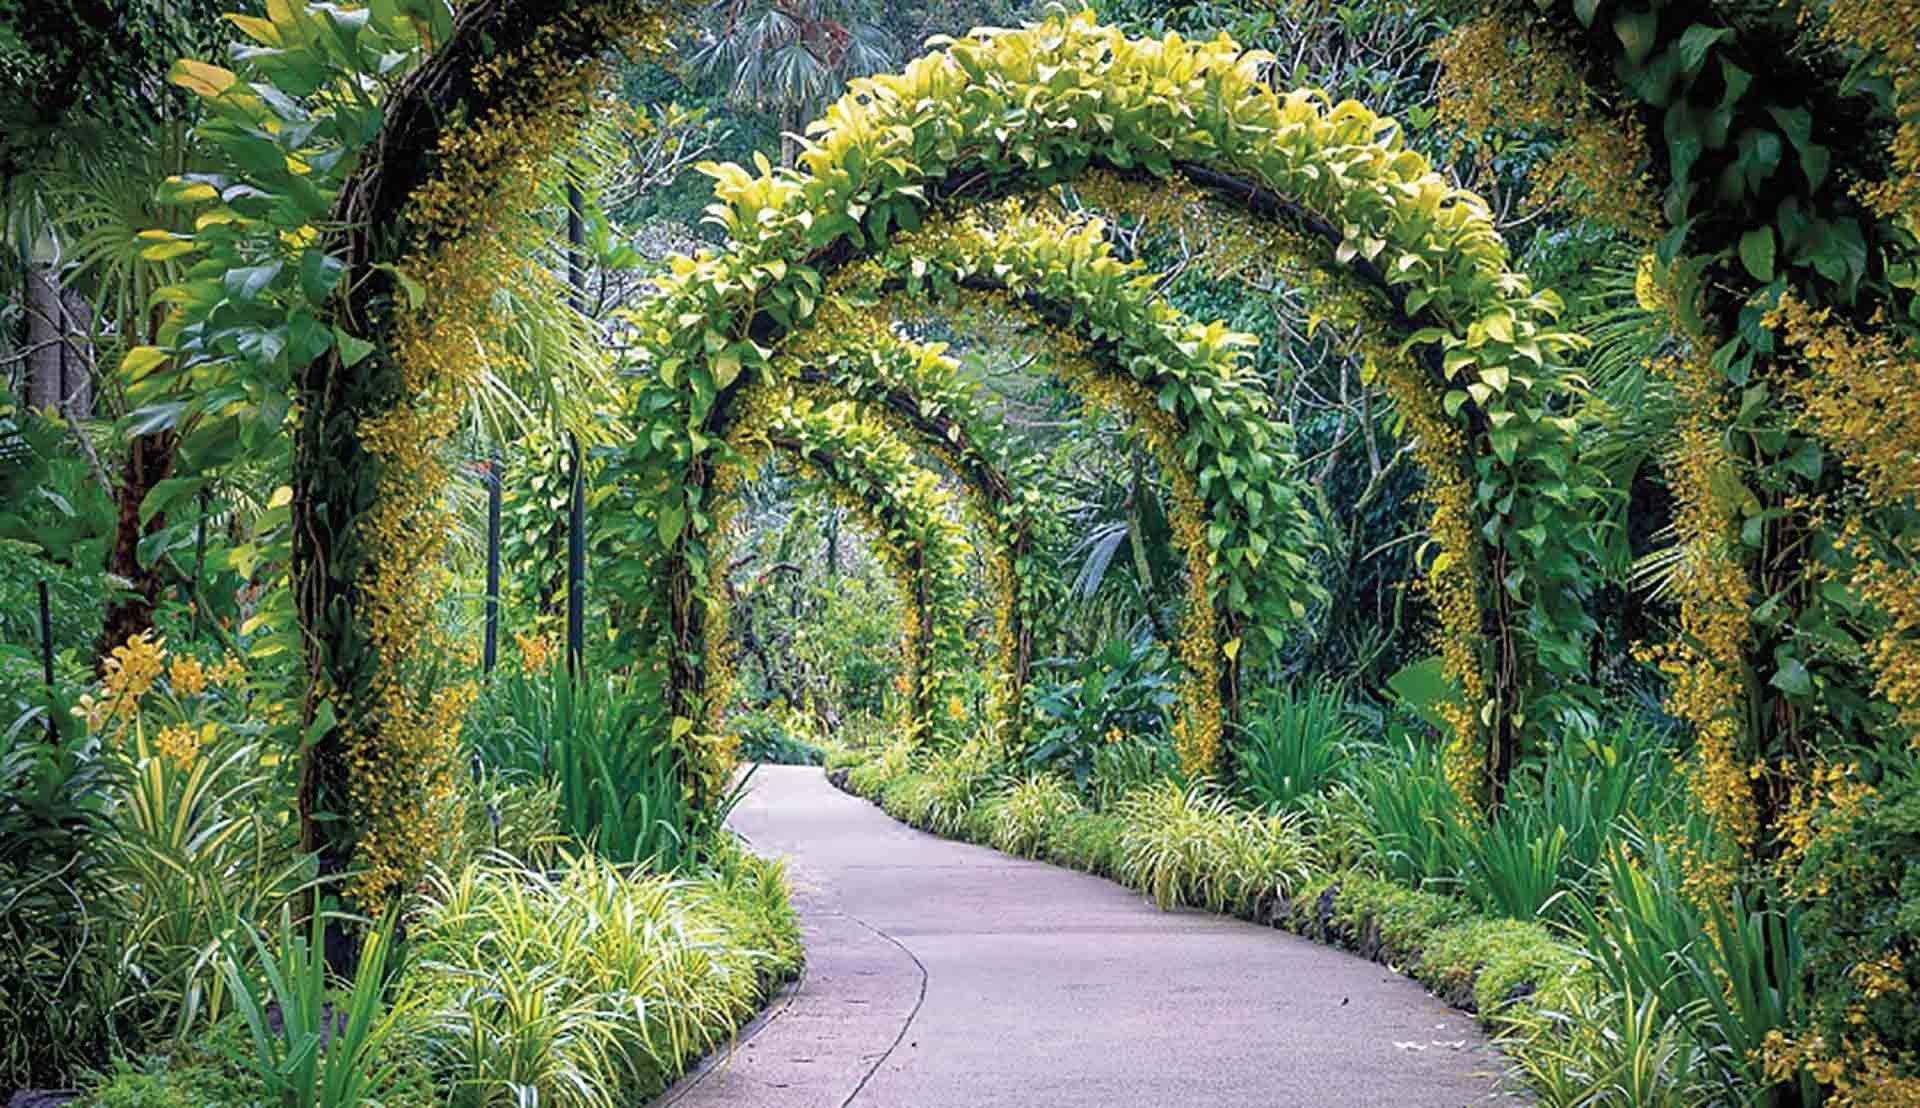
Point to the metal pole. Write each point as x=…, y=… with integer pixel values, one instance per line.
x=46, y=661
x=491, y=652
x=46, y=636
x=577, y=506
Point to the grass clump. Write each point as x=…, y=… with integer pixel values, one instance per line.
x=592, y=986
x=1192, y=846
x=1021, y=818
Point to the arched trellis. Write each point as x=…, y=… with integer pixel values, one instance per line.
x=1036, y=107
x=443, y=170
x=915, y=522
x=1180, y=384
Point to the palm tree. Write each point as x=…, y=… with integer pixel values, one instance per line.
x=790, y=58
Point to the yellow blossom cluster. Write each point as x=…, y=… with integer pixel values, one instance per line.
x=1860, y=397
x=470, y=226
x=1495, y=77
x=1890, y=31
x=1861, y=1072
x=1706, y=663
x=133, y=666
x=1452, y=580
x=1822, y=799
x=130, y=671
x=538, y=651
x=187, y=676
x=180, y=743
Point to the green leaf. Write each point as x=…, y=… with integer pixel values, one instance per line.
x=154, y=418
x=323, y=721
x=1637, y=31
x=140, y=360
x=1756, y=253
x=1792, y=678
x=726, y=369
x=352, y=350
x=319, y=273
x=1695, y=41
x=165, y=493
x=671, y=520
x=248, y=282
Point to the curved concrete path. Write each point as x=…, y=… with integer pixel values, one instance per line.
x=941, y=974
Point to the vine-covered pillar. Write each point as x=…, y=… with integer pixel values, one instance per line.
x=429, y=214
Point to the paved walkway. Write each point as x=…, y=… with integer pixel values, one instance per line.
x=943, y=975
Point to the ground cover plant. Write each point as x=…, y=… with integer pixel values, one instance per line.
x=1438, y=478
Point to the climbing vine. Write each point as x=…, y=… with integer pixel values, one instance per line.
x=384, y=166
x=916, y=532
x=896, y=144
x=1786, y=258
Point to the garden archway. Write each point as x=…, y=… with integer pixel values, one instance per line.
x=1014, y=110
x=1178, y=383
x=980, y=117
x=914, y=520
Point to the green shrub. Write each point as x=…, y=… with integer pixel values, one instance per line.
x=1474, y=961
x=59, y=988
x=764, y=737
x=1192, y=846
x=1089, y=841
x=1341, y=827
x=1293, y=745
x=900, y=796
x=751, y=900
x=942, y=798
x=1417, y=815
x=208, y=1069
x=315, y=1045
x=1022, y=816
x=592, y=987
x=1729, y=973
x=1603, y=1048
x=1542, y=850
x=839, y=756
x=517, y=818
x=1498, y=961
x=1077, y=707
x=1379, y=918
x=617, y=774
x=198, y=849
x=1128, y=763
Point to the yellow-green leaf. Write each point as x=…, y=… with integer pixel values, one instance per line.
x=199, y=77
x=140, y=361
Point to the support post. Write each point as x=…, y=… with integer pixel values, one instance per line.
x=46, y=658
x=46, y=637
x=577, y=500
x=490, y=651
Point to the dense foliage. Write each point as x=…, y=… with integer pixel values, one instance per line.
x=1435, y=477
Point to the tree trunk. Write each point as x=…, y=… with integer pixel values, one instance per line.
x=149, y=461
x=44, y=333
x=76, y=357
